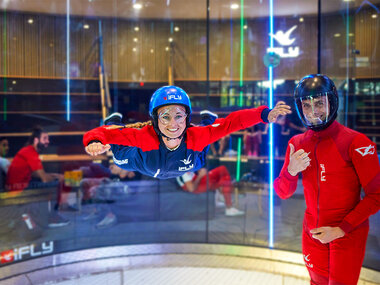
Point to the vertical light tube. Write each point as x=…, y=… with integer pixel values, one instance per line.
x=5, y=53
x=241, y=73
x=241, y=79
x=270, y=98
x=68, y=103
x=347, y=62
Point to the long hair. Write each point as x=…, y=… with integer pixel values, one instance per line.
x=138, y=125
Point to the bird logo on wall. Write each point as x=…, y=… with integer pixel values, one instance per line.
x=284, y=38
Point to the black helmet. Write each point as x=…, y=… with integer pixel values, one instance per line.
x=314, y=91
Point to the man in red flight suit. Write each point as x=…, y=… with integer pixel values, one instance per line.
x=335, y=162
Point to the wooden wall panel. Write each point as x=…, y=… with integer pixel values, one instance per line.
x=148, y=41
x=108, y=42
x=60, y=47
x=77, y=53
x=31, y=45
x=15, y=51
x=47, y=46
x=162, y=48
x=201, y=50
x=3, y=43
x=133, y=53
x=305, y=35
x=367, y=42
x=122, y=60
x=333, y=55
x=39, y=49
x=89, y=48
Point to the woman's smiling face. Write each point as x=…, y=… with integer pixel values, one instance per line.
x=172, y=120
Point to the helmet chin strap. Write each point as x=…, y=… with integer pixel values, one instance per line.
x=169, y=139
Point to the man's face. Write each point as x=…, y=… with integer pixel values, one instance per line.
x=43, y=142
x=4, y=147
x=172, y=120
x=316, y=110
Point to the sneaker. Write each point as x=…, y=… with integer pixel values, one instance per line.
x=90, y=216
x=56, y=220
x=231, y=212
x=207, y=117
x=113, y=119
x=108, y=221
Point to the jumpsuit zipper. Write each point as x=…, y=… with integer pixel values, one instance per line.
x=318, y=183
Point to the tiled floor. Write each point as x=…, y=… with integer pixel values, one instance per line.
x=187, y=276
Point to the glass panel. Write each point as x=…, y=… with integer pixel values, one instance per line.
x=350, y=56
x=67, y=65
x=296, y=44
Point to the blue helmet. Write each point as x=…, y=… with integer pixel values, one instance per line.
x=169, y=95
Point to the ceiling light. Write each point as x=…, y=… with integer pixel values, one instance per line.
x=351, y=34
x=301, y=19
x=14, y=82
x=137, y=29
x=245, y=27
x=176, y=29
x=170, y=40
x=135, y=40
x=86, y=26
x=337, y=35
x=374, y=16
x=151, y=50
x=137, y=6
x=234, y=6
x=134, y=49
x=167, y=48
x=30, y=21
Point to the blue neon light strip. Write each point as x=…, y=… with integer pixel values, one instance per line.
x=68, y=103
x=270, y=95
x=347, y=64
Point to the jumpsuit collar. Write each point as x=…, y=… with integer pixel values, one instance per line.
x=328, y=132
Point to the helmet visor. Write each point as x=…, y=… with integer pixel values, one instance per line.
x=168, y=113
x=314, y=110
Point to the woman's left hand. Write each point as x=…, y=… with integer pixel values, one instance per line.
x=280, y=109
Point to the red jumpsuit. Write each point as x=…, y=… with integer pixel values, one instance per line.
x=342, y=161
x=217, y=178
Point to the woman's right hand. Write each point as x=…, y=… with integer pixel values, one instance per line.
x=97, y=148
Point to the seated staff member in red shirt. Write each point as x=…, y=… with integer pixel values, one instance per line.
x=218, y=178
x=26, y=171
x=27, y=164
x=335, y=162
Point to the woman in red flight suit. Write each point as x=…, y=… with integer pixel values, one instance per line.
x=335, y=162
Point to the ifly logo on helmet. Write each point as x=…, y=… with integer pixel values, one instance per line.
x=175, y=97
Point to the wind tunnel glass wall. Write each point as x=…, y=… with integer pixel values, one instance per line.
x=351, y=57
x=66, y=65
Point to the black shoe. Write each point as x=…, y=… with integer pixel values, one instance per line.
x=207, y=117
x=113, y=119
